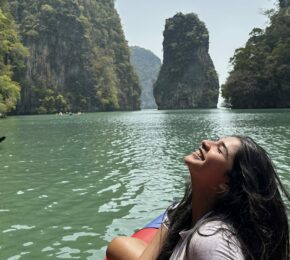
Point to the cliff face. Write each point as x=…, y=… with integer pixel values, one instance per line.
x=187, y=78
x=147, y=66
x=79, y=59
x=12, y=54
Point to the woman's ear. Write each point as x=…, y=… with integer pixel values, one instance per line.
x=222, y=188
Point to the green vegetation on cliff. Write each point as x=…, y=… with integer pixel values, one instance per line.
x=187, y=78
x=79, y=59
x=147, y=66
x=260, y=77
x=12, y=54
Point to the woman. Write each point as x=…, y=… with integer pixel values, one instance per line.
x=232, y=209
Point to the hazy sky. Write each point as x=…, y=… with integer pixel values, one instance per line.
x=229, y=23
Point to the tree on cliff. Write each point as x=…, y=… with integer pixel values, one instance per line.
x=79, y=57
x=187, y=78
x=261, y=70
x=284, y=3
x=12, y=54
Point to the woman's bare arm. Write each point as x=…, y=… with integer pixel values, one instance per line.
x=152, y=250
x=130, y=248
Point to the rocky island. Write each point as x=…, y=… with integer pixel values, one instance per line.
x=260, y=77
x=187, y=78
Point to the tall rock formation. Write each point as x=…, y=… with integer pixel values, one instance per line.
x=79, y=59
x=187, y=78
x=147, y=66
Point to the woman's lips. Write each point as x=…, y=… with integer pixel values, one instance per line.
x=199, y=155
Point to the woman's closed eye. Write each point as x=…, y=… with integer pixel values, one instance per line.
x=223, y=150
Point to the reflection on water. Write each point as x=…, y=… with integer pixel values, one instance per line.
x=71, y=183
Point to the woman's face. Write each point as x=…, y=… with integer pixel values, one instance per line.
x=210, y=163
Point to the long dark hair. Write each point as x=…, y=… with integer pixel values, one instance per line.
x=252, y=204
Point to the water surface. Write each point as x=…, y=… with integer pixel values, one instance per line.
x=68, y=184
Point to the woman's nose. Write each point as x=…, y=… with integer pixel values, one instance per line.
x=206, y=144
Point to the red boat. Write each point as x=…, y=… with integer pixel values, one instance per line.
x=147, y=233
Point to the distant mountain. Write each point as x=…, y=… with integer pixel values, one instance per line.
x=79, y=58
x=147, y=66
x=187, y=78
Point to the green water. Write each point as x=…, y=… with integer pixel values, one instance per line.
x=68, y=184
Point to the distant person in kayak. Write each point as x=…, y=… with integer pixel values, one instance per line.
x=232, y=209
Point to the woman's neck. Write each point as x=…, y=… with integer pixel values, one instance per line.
x=201, y=204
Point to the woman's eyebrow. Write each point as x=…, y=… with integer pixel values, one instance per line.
x=226, y=149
